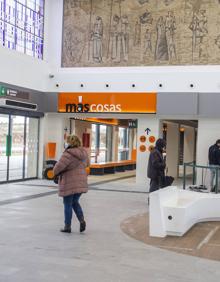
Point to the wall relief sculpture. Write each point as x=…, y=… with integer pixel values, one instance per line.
x=100, y=33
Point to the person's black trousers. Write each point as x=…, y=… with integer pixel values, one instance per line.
x=154, y=185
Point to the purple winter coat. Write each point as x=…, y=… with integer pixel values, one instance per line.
x=74, y=180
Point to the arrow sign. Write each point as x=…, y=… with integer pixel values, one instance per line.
x=147, y=130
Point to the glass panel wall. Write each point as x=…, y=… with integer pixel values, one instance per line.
x=16, y=159
x=22, y=26
x=4, y=128
x=18, y=147
x=99, y=143
x=123, y=148
x=103, y=141
x=31, y=148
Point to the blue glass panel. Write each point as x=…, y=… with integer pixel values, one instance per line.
x=39, y=25
x=20, y=40
x=2, y=10
x=31, y=4
x=20, y=17
x=29, y=20
x=22, y=1
x=10, y=11
x=38, y=48
x=9, y=36
x=29, y=44
x=2, y=30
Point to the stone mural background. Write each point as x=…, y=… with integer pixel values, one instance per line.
x=100, y=33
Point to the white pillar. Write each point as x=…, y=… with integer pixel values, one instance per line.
x=145, y=122
x=189, y=146
x=172, y=149
x=51, y=130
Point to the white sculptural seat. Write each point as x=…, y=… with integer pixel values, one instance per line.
x=174, y=211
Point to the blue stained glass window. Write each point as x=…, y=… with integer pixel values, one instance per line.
x=22, y=26
x=2, y=30
x=2, y=10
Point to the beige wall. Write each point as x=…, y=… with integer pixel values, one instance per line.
x=140, y=32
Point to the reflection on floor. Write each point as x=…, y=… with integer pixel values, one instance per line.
x=202, y=240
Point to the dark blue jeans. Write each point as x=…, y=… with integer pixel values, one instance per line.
x=71, y=202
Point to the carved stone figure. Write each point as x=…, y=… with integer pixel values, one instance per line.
x=97, y=35
x=170, y=26
x=161, y=50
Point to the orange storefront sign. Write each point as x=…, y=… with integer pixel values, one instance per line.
x=107, y=102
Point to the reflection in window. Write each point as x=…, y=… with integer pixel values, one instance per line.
x=123, y=149
x=22, y=26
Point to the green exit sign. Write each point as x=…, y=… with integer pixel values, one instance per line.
x=3, y=91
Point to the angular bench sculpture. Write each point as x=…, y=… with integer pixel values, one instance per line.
x=173, y=211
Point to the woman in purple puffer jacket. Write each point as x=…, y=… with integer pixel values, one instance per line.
x=71, y=169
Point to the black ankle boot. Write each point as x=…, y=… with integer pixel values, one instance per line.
x=66, y=229
x=82, y=226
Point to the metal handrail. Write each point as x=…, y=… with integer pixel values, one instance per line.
x=194, y=166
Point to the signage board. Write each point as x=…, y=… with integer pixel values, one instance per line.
x=107, y=102
x=9, y=92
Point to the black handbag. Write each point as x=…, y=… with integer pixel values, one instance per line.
x=56, y=177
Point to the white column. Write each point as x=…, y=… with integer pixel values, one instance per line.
x=189, y=146
x=145, y=122
x=172, y=149
x=51, y=130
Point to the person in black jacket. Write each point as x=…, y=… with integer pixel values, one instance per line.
x=156, y=165
x=214, y=160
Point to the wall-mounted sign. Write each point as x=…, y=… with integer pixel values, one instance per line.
x=147, y=130
x=107, y=102
x=152, y=139
x=142, y=148
x=9, y=92
x=150, y=148
x=143, y=138
x=132, y=123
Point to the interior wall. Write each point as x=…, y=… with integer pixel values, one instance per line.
x=189, y=146
x=144, y=122
x=172, y=149
x=35, y=73
x=83, y=127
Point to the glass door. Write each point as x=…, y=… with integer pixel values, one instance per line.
x=18, y=147
x=123, y=149
x=4, y=134
x=16, y=160
x=31, y=147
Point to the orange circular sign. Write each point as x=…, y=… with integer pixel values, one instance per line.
x=150, y=148
x=143, y=138
x=143, y=148
x=152, y=139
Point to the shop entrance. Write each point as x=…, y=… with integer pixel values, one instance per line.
x=18, y=147
x=108, y=141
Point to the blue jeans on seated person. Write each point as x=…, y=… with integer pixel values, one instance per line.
x=71, y=202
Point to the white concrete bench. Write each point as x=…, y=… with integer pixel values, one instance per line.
x=174, y=211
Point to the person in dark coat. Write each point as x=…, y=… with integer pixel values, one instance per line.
x=214, y=160
x=156, y=165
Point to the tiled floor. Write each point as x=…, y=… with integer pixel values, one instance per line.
x=202, y=240
x=33, y=250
